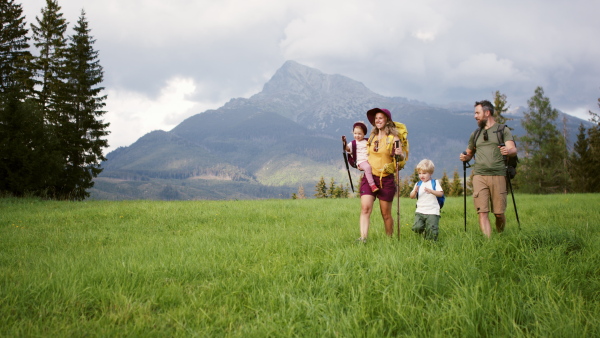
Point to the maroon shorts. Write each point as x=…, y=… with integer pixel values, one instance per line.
x=386, y=191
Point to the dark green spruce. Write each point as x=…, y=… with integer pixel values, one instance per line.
x=542, y=169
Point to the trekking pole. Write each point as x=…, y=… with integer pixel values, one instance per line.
x=510, y=186
x=514, y=203
x=465, y=166
x=397, y=158
x=346, y=161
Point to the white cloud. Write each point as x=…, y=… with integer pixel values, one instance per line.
x=582, y=112
x=432, y=50
x=133, y=114
x=483, y=70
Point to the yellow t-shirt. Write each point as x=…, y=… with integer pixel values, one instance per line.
x=378, y=159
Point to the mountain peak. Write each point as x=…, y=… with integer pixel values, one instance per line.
x=297, y=79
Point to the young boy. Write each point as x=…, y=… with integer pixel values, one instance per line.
x=362, y=152
x=427, y=215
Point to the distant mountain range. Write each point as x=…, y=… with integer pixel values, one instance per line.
x=286, y=136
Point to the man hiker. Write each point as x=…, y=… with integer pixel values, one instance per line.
x=489, y=170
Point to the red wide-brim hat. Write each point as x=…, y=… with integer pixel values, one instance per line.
x=371, y=114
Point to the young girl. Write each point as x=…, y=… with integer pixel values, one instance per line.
x=362, y=153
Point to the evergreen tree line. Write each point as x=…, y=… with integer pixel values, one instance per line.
x=333, y=191
x=51, y=131
x=451, y=188
x=546, y=164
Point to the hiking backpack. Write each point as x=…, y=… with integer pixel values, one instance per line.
x=511, y=164
x=441, y=200
x=403, y=136
x=352, y=154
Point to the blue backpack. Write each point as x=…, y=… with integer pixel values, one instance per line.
x=441, y=200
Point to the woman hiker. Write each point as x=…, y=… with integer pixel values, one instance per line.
x=379, y=156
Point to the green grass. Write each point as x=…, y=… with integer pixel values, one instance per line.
x=292, y=268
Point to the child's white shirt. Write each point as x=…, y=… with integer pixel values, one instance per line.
x=362, y=153
x=427, y=203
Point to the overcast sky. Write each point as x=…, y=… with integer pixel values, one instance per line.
x=165, y=60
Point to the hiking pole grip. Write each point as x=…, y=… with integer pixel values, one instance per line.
x=397, y=146
x=504, y=157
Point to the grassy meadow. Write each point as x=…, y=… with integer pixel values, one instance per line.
x=273, y=268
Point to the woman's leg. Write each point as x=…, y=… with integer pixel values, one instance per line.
x=366, y=207
x=386, y=214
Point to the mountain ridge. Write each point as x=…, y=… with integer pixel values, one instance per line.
x=286, y=136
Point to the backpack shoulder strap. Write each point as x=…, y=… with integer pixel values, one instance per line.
x=418, y=185
x=369, y=141
x=500, y=133
x=354, y=149
x=390, y=143
x=475, y=137
x=433, y=184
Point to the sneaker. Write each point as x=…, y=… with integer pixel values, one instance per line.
x=374, y=188
x=361, y=240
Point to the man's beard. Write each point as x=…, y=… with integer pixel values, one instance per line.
x=482, y=123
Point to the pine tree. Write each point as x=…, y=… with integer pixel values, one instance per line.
x=456, y=188
x=50, y=80
x=300, y=195
x=542, y=170
x=406, y=187
x=15, y=71
x=580, y=162
x=321, y=188
x=49, y=38
x=81, y=126
x=594, y=144
x=331, y=192
x=500, y=107
x=25, y=160
x=445, y=182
